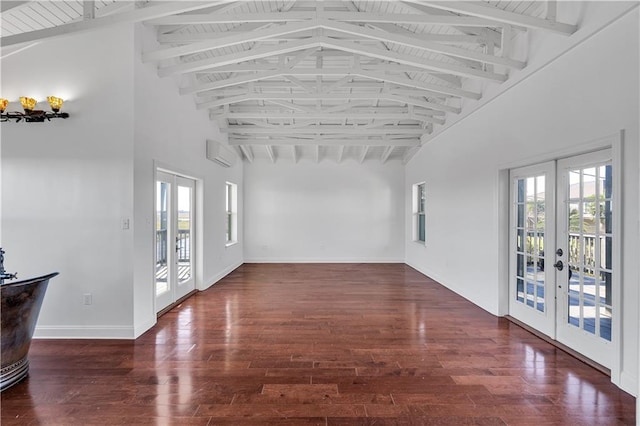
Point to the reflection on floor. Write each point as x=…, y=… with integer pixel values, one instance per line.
x=321, y=344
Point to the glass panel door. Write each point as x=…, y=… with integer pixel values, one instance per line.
x=532, y=293
x=586, y=236
x=164, y=269
x=174, y=238
x=184, y=237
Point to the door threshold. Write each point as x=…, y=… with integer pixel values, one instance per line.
x=176, y=303
x=564, y=348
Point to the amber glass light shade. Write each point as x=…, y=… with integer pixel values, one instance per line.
x=56, y=103
x=28, y=103
x=3, y=104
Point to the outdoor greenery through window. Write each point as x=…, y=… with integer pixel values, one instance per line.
x=232, y=212
x=419, y=200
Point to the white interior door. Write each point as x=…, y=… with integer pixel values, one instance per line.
x=532, y=239
x=586, y=237
x=174, y=241
x=562, y=258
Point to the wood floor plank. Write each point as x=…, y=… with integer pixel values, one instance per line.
x=317, y=344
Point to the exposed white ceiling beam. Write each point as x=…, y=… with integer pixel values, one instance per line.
x=340, y=153
x=183, y=38
x=332, y=116
x=327, y=96
x=363, y=153
x=325, y=129
x=386, y=153
x=393, y=18
x=379, y=76
x=128, y=17
x=270, y=152
x=419, y=43
x=242, y=56
x=346, y=46
x=225, y=41
x=247, y=152
x=324, y=142
x=415, y=61
x=484, y=10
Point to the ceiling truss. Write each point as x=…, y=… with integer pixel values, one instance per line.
x=303, y=79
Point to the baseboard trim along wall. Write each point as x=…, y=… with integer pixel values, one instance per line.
x=213, y=280
x=87, y=332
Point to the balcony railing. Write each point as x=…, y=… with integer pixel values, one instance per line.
x=183, y=246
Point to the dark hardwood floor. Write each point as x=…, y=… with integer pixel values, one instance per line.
x=317, y=345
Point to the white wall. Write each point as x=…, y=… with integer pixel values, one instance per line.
x=588, y=93
x=171, y=133
x=66, y=184
x=324, y=212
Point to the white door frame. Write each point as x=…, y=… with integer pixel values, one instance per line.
x=615, y=142
x=198, y=239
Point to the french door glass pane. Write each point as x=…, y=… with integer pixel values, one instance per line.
x=590, y=249
x=530, y=226
x=183, y=238
x=162, y=232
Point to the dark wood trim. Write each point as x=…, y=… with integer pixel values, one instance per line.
x=177, y=302
x=565, y=348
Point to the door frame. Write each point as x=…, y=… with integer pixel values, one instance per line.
x=615, y=142
x=198, y=268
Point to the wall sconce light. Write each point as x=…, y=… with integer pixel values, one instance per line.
x=31, y=115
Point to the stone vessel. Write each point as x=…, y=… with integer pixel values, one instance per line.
x=21, y=302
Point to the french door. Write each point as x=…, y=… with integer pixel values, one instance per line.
x=561, y=251
x=174, y=241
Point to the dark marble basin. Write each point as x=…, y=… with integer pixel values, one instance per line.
x=21, y=302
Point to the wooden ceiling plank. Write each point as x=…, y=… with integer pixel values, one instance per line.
x=128, y=17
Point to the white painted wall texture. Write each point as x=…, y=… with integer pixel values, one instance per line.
x=171, y=133
x=66, y=184
x=588, y=93
x=324, y=212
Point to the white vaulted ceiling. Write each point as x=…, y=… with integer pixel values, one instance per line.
x=322, y=79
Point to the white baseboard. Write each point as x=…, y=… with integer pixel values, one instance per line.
x=141, y=329
x=628, y=383
x=317, y=260
x=84, y=332
x=222, y=274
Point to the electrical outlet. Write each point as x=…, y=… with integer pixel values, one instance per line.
x=87, y=298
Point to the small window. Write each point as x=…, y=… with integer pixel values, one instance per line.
x=231, y=194
x=419, y=225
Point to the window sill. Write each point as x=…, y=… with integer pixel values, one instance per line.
x=231, y=243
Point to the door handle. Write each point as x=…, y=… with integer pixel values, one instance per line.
x=559, y=265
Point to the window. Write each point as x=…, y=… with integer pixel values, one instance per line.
x=419, y=226
x=231, y=195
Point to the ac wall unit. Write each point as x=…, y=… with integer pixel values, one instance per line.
x=220, y=153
